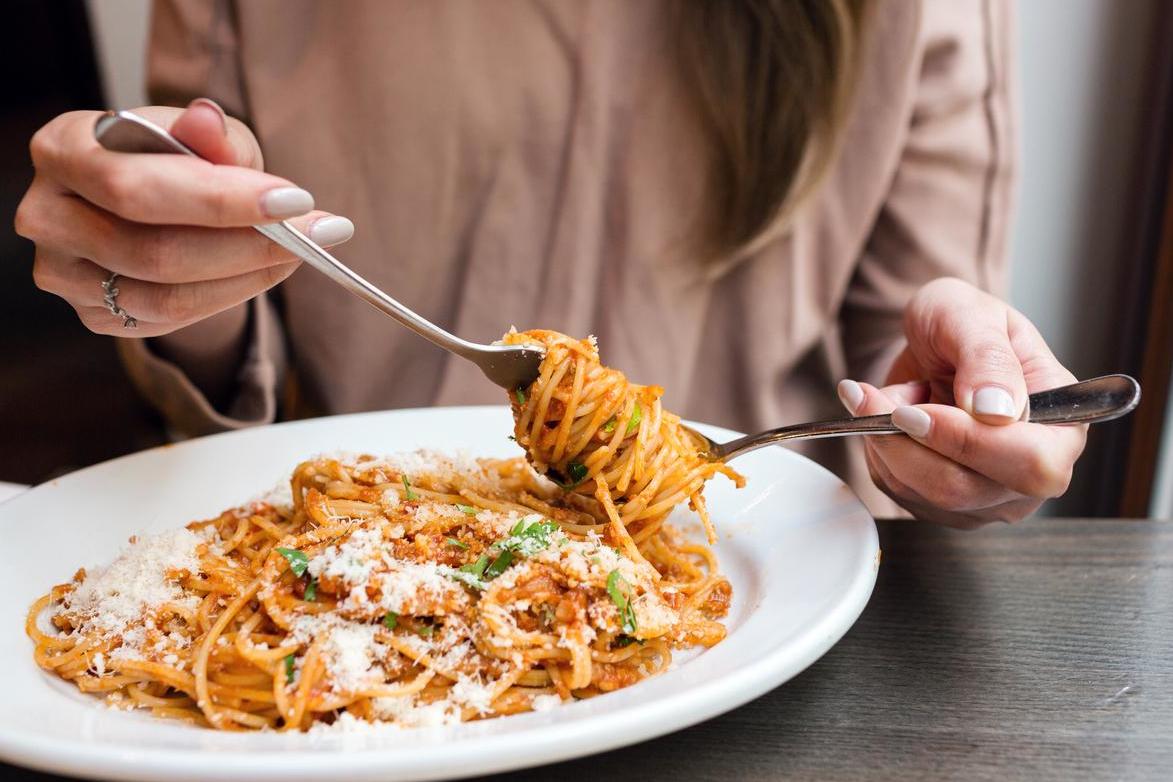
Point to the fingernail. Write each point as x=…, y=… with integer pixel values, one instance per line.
x=912, y=421
x=851, y=395
x=214, y=106
x=994, y=401
x=331, y=230
x=282, y=202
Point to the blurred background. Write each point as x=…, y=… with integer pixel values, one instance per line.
x=1093, y=246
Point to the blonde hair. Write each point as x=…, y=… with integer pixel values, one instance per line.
x=771, y=82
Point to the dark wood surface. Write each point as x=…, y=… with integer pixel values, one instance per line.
x=1042, y=651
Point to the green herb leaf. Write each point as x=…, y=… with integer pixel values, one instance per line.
x=510, y=437
x=636, y=416
x=297, y=560
x=289, y=669
x=609, y=426
x=476, y=568
x=311, y=590
x=528, y=539
x=503, y=560
x=519, y=394
x=425, y=631
x=620, y=591
x=411, y=495
x=467, y=510
x=467, y=578
x=576, y=473
x=390, y=620
x=457, y=543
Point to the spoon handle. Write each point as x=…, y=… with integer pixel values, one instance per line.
x=1087, y=402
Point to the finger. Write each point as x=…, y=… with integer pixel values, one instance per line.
x=169, y=254
x=966, y=333
x=931, y=477
x=1039, y=365
x=1030, y=459
x=162, y=189
x=852, y=394
x=152, y=302
x=101, y=321
x=922, y=509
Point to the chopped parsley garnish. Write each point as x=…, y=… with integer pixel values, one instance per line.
x=503, y=560
x=636, y=416
x=411, y=495
x=457, y=543
x=311, y=590
x=477, y=568
x=620, y=592
x=519, y=394
x=467, y=510
x=525, y=540
x=297, y=560
x=609, y=426
x=626, y=640
x=576, y=473
x=425, y=631
x=390, y=620
x=528, y=539
x=289, y=669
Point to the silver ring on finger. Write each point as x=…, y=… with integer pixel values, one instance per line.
x=110, y=297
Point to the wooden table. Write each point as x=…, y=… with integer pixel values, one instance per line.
x=1042, y=651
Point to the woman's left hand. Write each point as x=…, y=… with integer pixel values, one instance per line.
x=959, y=391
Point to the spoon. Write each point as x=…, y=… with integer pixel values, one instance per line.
x=509, y=366
x=1088, y=402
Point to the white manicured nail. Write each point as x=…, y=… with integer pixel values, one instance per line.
x=851, y=395
x=282, y=202
x=331, y=230
x=912, y=420
x=994, y=401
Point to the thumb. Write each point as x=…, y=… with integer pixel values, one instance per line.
x=209, y=132
x=961, y=331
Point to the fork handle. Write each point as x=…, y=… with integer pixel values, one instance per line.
x=1087, y=402
x=125, y=131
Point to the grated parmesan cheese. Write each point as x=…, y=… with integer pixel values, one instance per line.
x=113, y=601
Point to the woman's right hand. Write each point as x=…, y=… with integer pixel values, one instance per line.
x=174, y=228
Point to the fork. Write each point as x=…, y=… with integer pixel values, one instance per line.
x=509, y=366
x=1088, y=402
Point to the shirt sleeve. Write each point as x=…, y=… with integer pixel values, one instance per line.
x=948, y=209
x=193, y=52
x=186, y=409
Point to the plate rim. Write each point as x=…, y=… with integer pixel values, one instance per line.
x=623, y=728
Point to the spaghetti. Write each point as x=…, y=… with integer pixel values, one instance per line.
x=591, y=431
x=416, y=590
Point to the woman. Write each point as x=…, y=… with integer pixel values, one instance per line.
x=745, y=201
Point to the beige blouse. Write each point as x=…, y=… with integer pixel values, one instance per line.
x=534, y=164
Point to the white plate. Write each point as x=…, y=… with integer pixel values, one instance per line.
x=798, y=547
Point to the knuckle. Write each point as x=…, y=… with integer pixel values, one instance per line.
x=1045, y=478
x=993, y=357
x=178, y=303
x=43, y=276
x=122, y=187
x=41, y=146
x=156, y=247
x=26, y=222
